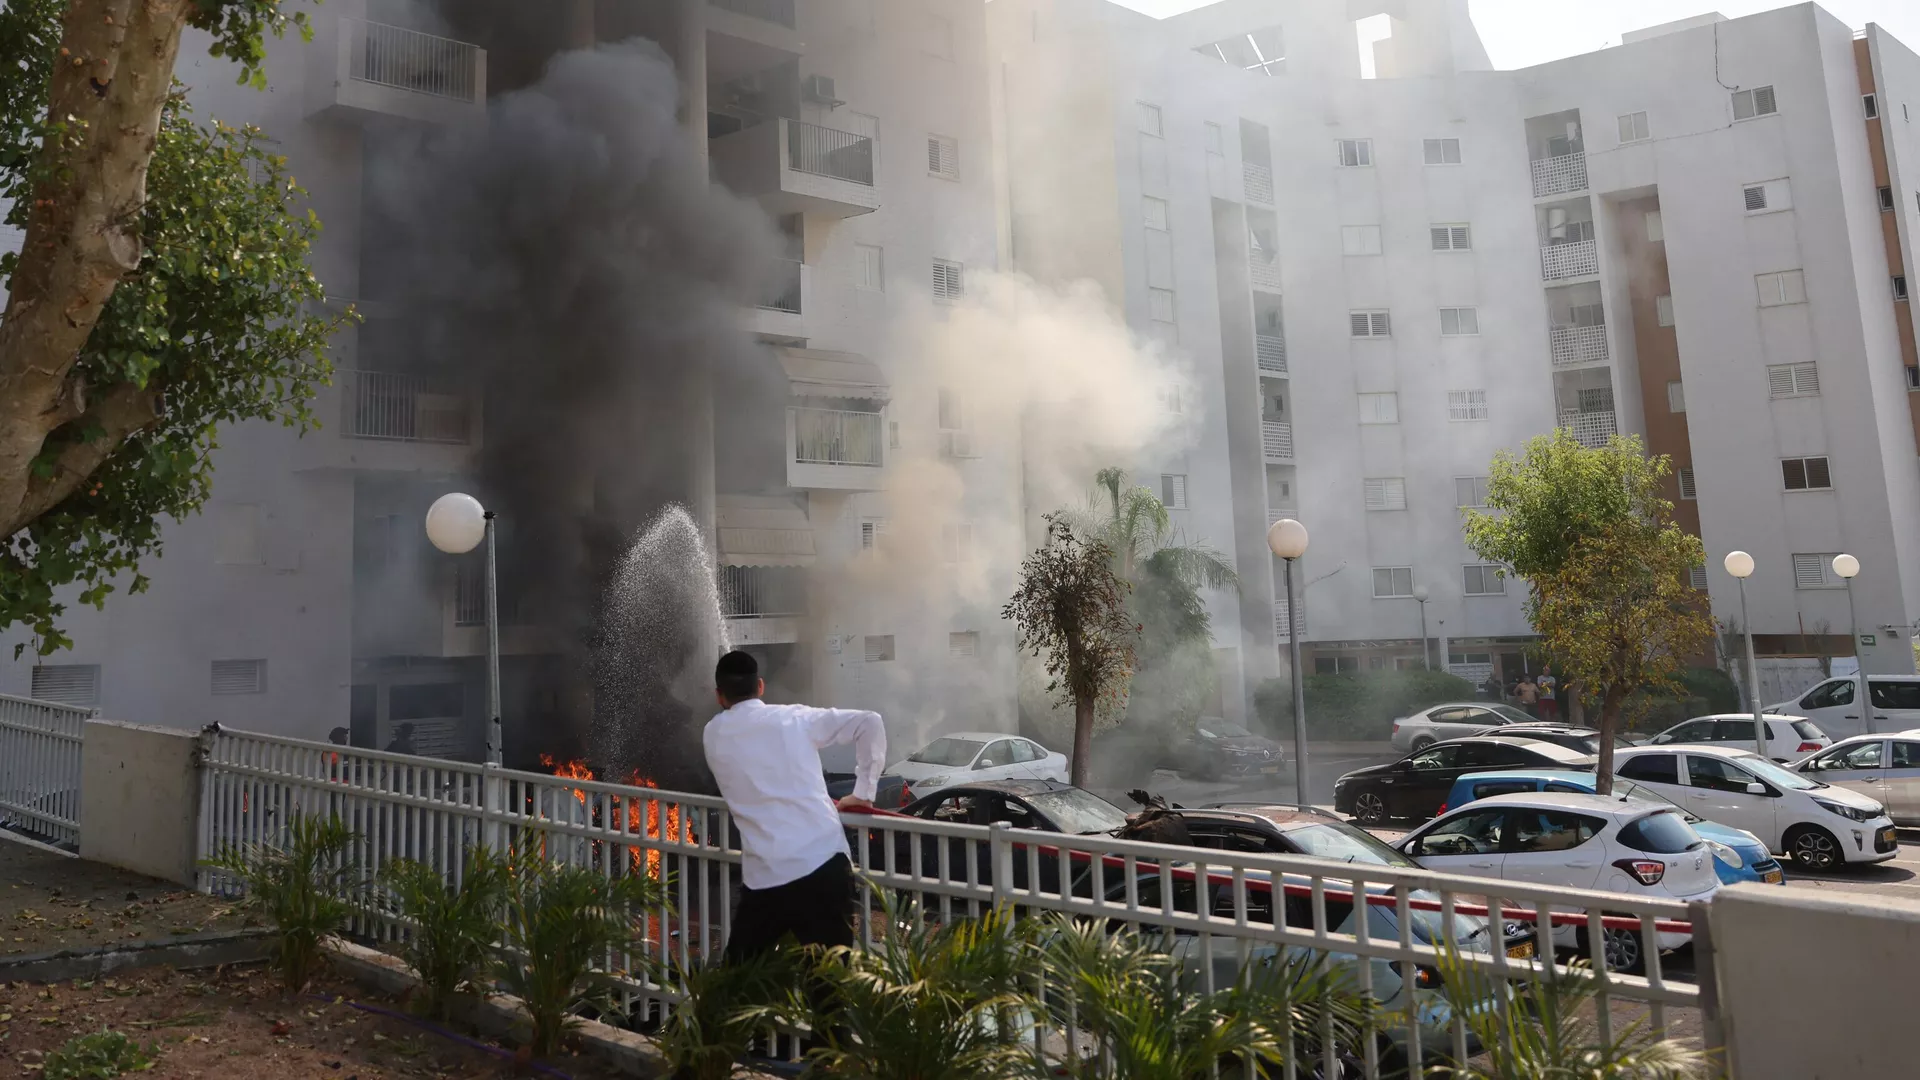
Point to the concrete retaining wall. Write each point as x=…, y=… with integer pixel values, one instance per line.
x=139, y=799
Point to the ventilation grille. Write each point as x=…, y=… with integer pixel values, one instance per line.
x=68, y=684
x=239, y=676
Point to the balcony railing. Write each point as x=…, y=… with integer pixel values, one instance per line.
x=784, y=293
x=1591, y=428
x=405, y=408
x=1276, y=439
x=1266, y=273
x=1559, y=175
x=773, y=11
x=470, y=596
x=762, y=592
x=838, y=437
x=1275, y=513
x=410, y=60
x=823, y=151
x=1572, y=345
x=1258, y=181
x=1578, y=259
x=1272, y=352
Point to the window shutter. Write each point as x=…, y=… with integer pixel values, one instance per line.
x=1462, y=238
x=1439, y=237
x=1818, y=475
x=1676, y=397
x=1809, y=572
x=1697, y=577
x=239, y=676
x=870, y=533
x=1173, y=490
x=1663, y=310
x=1763, y=102
x=1155, y=212
x=949, y=280
x=1780, y=380
x=1687, y=490
x=963, y=644
x=1386, y=493
x=1379, y=324
x=1379, y=408
x=68, y=684
x=1793, y=473
x=1756, y=197
x=1358, y=320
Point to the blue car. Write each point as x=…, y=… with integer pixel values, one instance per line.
x=1737, y=855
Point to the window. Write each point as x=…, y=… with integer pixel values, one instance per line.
x=1390, y=582
x=869, y=267
x=871, y=530
x=1484, y=579
x=1459, y=321
x=1550, y=830
x=1469, y=834
x=1913, y=378
x=239, y=676
x=878, y=647
x=949, y=280
x=1633, y=127
x=1793, y=380
x=1652, y=769
x=1758, y=101
x=1886, y=199
x=1160, y=305
x=68, y=684
x=1154, y=211
x=1685, y=475
x=1335, y=665
x=1216, y=144
x=1656, y=227
x=1815, y=571
x=943, y=157
x=427, y=701
x=1451, y=237
x=1386, y=492
x=1360, y=239
x=1716, y=774
x=893, y=434
x=1470, y=491
x=939, y=40
x=1805, y=474
x=1781, y=287
x=1697, y=578
x=1442, y=151
x=1173, y=490
x=1466, y=404
x=1663, y=309
x=238, y=540
x=1356, y=153
x=1899, y=286
x=1906, y=755
x=1369, y=323
x=1870, y=105
x=1676, y=397
x=1379, y=408
x=1147, y=118
x=1767, y=195
x=963, y=644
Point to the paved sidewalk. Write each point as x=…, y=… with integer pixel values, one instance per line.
x=50, y=902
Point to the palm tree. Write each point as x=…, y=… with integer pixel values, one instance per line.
x=1140, y=530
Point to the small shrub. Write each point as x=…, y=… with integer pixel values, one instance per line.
x=301, y=889
x=727, y=1006
x=454, y=927
x=99, y=1056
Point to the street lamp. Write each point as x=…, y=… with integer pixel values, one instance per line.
x=456, y=524
x=1288, y=539
x=1420, y=594
x=1740, y=565
x=1848, y=568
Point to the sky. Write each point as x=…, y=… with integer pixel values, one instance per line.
x=1521, y=33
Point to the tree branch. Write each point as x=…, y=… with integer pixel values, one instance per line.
x=126, y=409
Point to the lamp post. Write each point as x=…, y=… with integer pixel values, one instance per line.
x=456, y=524
x=1848, y=568
x=1287, y=538
x=1740, y=565
x=1420, y=595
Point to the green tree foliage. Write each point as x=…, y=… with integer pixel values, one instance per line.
x=1606, y=565
x=1358, y=705
x=451, y=927
x=302, y=886
x=216, y=319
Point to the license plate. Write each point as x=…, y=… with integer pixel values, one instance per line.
x=1522, y=951
x=1774, y=877
x=1269, y=768
x=1888, y=836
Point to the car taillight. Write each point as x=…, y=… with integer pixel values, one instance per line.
x=1809, y=747
x=1645, y=871
x=1424, y=978
x=1396, y=727
x=1442, y=810
x=906, y=794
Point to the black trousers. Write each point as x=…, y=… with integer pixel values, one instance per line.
x=816, y=910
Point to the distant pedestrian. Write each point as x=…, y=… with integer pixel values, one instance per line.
x=1491, y=687
x=1549, y=706
x=402, y=740
x=1529, y=695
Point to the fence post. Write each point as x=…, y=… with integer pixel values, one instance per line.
x=1712, y=1029
x=492, y=804
x=1000, y=857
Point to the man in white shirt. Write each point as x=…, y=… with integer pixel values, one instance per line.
x=795, y=867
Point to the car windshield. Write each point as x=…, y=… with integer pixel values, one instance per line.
x=1338, y=840
x=1774, y=774
x=1078, y=812
x=1807, y=729
x=1222, y=729
x=948, y=752
x=1512, y=714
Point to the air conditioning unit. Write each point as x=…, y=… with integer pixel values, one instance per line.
x=957, y=444
x=818, y=89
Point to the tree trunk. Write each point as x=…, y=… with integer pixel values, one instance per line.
x=109, y=87
x=1574, y=702
x=1610, y=701
x=1082, y=741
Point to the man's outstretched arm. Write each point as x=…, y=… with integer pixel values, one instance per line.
x=868, y=734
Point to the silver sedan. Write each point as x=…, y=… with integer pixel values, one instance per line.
x=1453, y=720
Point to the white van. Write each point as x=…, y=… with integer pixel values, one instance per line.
x=1830, y=705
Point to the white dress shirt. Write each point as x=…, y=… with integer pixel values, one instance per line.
x=766, y=759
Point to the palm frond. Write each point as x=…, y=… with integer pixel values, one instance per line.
x=1195, y=565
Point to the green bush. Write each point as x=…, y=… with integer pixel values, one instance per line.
x=1358, y=706
x=453, y=925
x=301, y=887
x=99, y=1056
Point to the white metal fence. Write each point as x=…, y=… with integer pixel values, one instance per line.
x=1276, y=440
x=1574, y=345
x=825, y=151
x=1578, y=259
x=1271, y=352
x=1265, y=273
x=40, y=767
x=1559, y=175
x=405, y=408
x=1218, y=911
x=410, y=60
x=1258, y=182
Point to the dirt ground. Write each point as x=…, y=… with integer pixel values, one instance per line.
x=239, y=1023
x=49, y=902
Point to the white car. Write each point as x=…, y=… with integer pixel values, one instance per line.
x=1896, y=704
x=1884, y=768
x=1789, y=738
x=1578, y=841
x=1820, y=825
x=967, y=756
x=1454, y=720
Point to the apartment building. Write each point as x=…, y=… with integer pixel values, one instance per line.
x=1698, y=236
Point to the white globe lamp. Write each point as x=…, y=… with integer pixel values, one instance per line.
x=456, y=523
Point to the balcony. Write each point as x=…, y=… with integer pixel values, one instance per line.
x=1271, y=350
x=763, y=605
x=1561, y=261
x=1257, y=181
x=405, y=408
x=464, y=619
x=794, y=167
x=835, y=449
x=1572, y=346
x=1265, y=272
x=781, y=313
x=1276, y=440
x=1590, y=428
x=390, y=71
x=1559, y=175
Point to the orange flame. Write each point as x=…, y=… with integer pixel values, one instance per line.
x=643, y=815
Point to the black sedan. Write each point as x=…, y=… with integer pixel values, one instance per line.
x=893, y=792
x=1038, y=805
x=1286, y=829
x=1416, y=785
x=1219, y=748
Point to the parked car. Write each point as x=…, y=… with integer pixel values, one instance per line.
x=966, y=756
x=1789, y=738
x=1284, y=829
x=1822, y=826
x=1451, y=721
x=1896, y=705
x=1579, y=841
x=1414, y=786
x=1221, y=748
x=1738, y=855
x=1586, y=740
x=1039, y=805
x=893, y=792
x=1884, y=768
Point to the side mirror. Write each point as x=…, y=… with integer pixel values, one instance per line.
x=984, y=763
x=1660, y=740
x=1756, y=789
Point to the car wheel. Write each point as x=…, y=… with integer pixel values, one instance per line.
x=1623, y=950
x=1369, y=808
x=1422, y=743
x=1814, y=848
